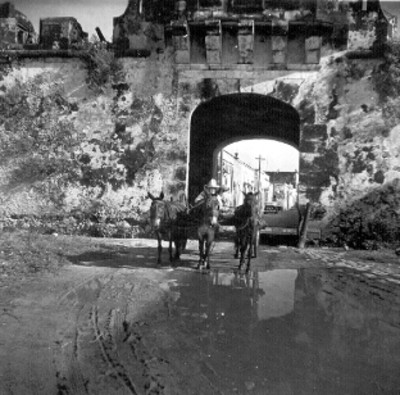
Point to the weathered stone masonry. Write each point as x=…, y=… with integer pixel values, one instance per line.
x=319, y=58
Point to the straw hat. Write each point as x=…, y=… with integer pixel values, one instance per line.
x=212, y=184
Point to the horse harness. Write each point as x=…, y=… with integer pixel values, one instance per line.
x=169, y=210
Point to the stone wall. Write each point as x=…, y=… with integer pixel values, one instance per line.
x=111, y=143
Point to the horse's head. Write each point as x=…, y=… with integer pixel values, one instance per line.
x=157, y=210
x=211, y=209
x=250, y=198
x=251, y=201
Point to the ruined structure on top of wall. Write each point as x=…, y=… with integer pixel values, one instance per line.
x=61, y=33
x=15, y=29
x=262, y=33
x=17, y=32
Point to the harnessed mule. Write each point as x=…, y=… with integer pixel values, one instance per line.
x=163, y=216
x=246, y=220
x=208, y=213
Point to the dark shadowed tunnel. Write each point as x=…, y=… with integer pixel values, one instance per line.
x=231, y=118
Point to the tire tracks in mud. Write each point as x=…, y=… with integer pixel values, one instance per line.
x=108, y=345
x=73, y=292
x=69, y=376
x=106, y=352
x=105, y=332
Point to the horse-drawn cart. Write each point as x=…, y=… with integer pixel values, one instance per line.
x=172, y=221
x=280, y=224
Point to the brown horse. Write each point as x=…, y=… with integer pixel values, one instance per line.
x=246, y=220
x=208, y=213
x=163, y=216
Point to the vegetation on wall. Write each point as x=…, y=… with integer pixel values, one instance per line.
x=44, y=149
x=81, y=178
x=285, y=91
x=102, y=65
x=386, y=80
x=207, y=89
x=386, y=77
x=36, y=135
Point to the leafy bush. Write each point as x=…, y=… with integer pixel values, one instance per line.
x=371, y=221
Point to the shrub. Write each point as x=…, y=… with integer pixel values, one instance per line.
x=372, y=220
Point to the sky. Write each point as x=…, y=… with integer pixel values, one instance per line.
x=100, y=13
x=89, y=13
x=276, y=155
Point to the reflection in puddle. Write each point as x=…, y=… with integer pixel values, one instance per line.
x=278, y=298
x=275, y=290
x=295, y=331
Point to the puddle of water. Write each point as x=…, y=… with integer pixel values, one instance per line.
x=302, y=331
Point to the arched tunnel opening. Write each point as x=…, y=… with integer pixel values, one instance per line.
x=230, y=138
x=232, y=118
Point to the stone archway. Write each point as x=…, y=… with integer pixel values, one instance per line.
x=231, y=118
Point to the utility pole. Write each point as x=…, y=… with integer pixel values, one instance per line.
x=259, y=158
x=261, y=198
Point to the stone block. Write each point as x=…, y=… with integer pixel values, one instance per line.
x=279, y=57
x=213, y=57
x=312, y=57
x=182, y=57
x=213, y=49
x=279, y=49
x=213, y=43
x=309, y=146
x=181, y=43
x=313, y=43
x=182, y=49
x=246, y=48
x=279, y=43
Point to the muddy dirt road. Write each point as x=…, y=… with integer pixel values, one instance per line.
x=311, y=322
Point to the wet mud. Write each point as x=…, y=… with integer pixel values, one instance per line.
x=293, y=325
x=306, y=331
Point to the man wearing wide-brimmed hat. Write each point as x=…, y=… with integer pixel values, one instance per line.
x=212, y=188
